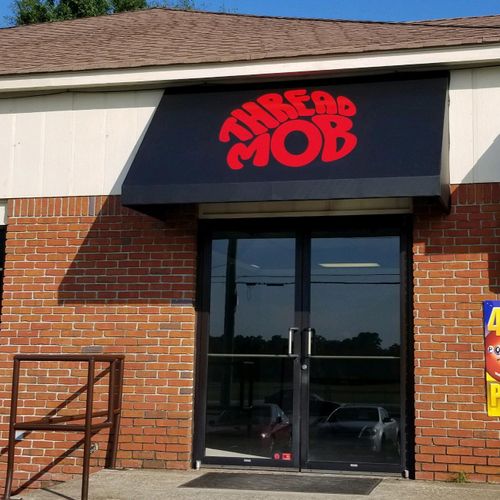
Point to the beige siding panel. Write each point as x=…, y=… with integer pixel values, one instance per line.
x=486, y=84
x=475, y=125
x=7, y=127
x=89, y=144
x=461, y=114
x=29, y=142
x=122, y=135
x=59, y=134
x=71, y=144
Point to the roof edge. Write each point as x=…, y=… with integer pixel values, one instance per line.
x=398, y=60
x=215, y=13
x=438, y=19
x=256, y=16
x=382, y=49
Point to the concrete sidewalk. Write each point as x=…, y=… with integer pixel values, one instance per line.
x=164, y=485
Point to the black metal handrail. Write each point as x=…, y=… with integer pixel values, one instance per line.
x=54, y=423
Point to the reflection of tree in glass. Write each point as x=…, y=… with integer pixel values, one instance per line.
x=363, y=344
x=250, y=344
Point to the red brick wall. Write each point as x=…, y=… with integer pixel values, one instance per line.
x=87, y=272
x=456, y=267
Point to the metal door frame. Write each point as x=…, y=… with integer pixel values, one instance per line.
x=377, y=225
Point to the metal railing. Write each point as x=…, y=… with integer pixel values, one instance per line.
x=55, y=423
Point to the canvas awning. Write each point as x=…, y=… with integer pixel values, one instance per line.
x=370, y=138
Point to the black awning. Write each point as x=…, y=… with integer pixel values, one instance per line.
x=300, y=141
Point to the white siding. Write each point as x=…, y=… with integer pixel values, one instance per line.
x=71, y=144
x=82, y=143
x=475, y=125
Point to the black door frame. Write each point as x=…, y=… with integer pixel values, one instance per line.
x=400, y=225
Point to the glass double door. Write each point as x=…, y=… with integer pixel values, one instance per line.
x=302, y=366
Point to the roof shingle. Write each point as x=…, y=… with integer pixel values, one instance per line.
x=162, y=37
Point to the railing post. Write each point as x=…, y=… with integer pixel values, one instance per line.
x=88, y=429
x=12, y=429
x=117, y=409
x=111, y=413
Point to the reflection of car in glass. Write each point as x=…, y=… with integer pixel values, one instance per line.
x=259, y=428
x=369, y=426
x=318, y=407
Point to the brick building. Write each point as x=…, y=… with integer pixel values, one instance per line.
x=288, y=227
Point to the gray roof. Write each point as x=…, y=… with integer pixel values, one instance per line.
x=162, y=37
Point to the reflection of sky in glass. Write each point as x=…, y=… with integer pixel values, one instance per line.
x=265, y=286
x=348, y=300
x=344, y=300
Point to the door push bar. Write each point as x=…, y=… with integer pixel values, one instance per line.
x=310, y=332
x=291, y=332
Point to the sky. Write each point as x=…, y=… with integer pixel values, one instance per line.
x=375, y=10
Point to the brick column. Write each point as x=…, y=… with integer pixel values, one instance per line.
x=84, y=273
x=456, y=267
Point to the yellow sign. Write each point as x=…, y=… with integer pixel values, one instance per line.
x=493, y=396
x=491, y=311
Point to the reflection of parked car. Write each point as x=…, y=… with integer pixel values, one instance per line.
x=260, y=427
x=368, y=426
x=318, y=407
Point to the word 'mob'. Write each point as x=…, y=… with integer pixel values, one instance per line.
x=262, y=127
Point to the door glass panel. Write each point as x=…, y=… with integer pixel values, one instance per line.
x=250, y=376
x=244, y=416
x=354, y=392
x=351, y=380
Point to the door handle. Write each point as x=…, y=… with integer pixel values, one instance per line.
x=310, y=333
x=291, y=332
